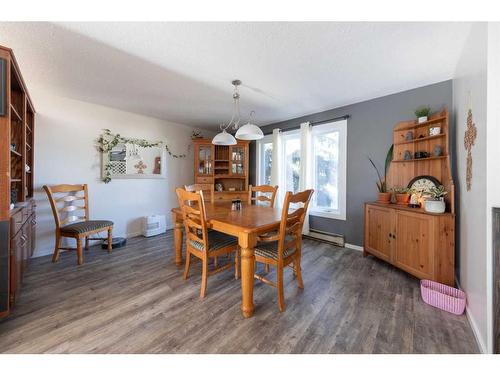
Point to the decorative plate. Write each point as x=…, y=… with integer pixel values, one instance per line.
x=423, y=183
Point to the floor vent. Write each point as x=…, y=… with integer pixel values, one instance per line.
x=335, y=239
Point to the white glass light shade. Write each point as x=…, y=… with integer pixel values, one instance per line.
x=249, y=132
x=224, y=139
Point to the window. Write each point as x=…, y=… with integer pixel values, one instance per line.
x=325, y=158
x=264, y=160
x=291, y=161
x=328, y=159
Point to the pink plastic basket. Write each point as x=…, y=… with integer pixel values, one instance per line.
x=443, y=297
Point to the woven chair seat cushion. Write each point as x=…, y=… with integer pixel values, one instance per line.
x=216, y=241
x=86, y=226
x=270, y=249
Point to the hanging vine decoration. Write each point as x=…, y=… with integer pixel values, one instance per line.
x=107, y=141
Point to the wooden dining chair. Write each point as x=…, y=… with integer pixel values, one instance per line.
x=284, y=247
x=63, y=201
x=202, y=243
x=263, y=193
x=206, y=188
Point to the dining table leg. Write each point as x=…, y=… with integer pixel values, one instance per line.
x=177, y=239
x=247, y=243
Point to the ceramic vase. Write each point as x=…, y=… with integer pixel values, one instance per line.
x=435, y=207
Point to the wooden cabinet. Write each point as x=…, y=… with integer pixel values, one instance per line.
x=414, y=238
x=21, y=246
x=17, y=129
x=378, y=231
x=419, y=243
x=223, y=166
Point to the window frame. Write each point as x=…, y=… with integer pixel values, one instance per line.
x=259, y=167
x=341, y=127
x=288, y=134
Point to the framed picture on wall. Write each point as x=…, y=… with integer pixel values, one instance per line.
x=3, y=88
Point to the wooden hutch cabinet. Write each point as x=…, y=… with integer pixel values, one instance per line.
x=416, y=241
x=17, y=225
x=224, y=166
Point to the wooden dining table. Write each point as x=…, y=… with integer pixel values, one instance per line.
x=246, y=225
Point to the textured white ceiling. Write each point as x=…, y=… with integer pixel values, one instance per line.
x=182, y=71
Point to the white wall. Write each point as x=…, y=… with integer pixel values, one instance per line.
x=470, y=90
x=65, y=152
x=493, y=157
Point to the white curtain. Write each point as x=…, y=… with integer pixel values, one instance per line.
x=305, y=181
x=277, y=165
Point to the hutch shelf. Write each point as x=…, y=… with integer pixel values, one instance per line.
x=418, y=242
x=17, y=208
x=226, y=167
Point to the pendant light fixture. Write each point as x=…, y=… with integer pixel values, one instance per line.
x=248, y=132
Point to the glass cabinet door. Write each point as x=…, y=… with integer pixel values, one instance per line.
x=205, y=162
x=238, y=160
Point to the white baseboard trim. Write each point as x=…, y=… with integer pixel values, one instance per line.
x=479, y=340
x=354, y=247
x=475, y=330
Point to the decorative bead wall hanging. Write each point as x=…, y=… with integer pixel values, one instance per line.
x=469, y=139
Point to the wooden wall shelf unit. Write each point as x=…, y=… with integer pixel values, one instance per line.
x=17, y=225
x=418, y=242
x=225, y=165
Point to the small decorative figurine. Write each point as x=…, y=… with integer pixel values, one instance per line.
x=435, y=130
x=407, y=155
x=409, y=136
x=140, y=166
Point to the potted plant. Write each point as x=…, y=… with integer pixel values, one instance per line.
x=422, y=113
x=384, y=196
x=434, y=201
x=402, y=195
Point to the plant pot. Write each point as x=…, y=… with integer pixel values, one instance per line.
x=422, y=119
x=402, y=198
x=435, y=207
x=384, y=198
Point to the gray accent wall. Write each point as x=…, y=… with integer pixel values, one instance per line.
x=369, y=133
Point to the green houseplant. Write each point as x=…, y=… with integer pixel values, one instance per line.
x=434, y=201
x=422, y=113
x=402, y=195
x=384, y=196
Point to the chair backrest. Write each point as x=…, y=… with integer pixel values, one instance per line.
x=292, y=219
x=208, y=190
x=263, y=193
x=193, y=213
x=67, y=201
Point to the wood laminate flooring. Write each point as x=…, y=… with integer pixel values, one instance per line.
x=135, y=301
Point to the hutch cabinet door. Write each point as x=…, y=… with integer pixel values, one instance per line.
x=378, y=234
x=414, y=243
x=204, y=165
x=16, y=264
x=238, y=160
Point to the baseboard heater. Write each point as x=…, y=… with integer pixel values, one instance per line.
x=335, y=239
